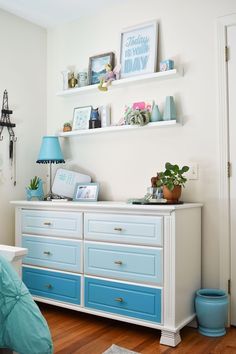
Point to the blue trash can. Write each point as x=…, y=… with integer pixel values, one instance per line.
x=212, y=311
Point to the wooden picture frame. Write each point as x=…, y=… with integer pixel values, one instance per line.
x=138, y=49
x=81, y=118
x=97, y=66
x=86, y=192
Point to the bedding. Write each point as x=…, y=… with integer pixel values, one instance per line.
x=22, y=326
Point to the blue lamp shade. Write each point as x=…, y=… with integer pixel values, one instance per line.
x=50, y=151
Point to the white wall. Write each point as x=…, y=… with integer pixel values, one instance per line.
x=124, y=162
x=23, y=74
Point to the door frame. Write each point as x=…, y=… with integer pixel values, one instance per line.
x=224, y=193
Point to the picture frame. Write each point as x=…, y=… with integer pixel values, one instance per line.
x=86, y=192
x=97, y=66
x=81, y=117
x=138, y=49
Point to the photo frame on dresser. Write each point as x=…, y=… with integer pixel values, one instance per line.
x=86, y=192
x=138, y=49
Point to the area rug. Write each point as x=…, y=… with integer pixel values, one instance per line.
x=114, y=349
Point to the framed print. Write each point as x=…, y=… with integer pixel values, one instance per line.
x=138, y=49
x=81, y=117
x=97, y=66
x=86, y=192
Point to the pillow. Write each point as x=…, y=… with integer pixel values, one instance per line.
x=22, y=326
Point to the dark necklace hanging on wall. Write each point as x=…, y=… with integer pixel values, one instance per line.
x=6, y=122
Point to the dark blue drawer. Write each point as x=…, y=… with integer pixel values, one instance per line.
x=123, y=299
x=53, y=285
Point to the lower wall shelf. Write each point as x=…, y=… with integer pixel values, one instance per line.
x=166, y=123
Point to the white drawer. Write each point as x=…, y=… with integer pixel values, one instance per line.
x=52, y=223
x=134, y=229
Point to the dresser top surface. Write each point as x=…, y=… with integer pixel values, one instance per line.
x=102, y=205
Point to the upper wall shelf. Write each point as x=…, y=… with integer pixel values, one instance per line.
x=163, y=75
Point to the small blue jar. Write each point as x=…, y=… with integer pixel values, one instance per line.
x=212, y=310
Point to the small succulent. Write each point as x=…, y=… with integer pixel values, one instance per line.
x=67, y=124
x=34, y=183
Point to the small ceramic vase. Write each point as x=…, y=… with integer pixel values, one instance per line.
x=170, y=110
x=82, y=79
x=35, y=194
x=156, y=114
x=65, y=79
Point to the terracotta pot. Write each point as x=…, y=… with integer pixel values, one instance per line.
x=174, y=195
x=67, y=128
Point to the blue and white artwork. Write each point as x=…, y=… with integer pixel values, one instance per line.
x=98, y=68
x=139, y=50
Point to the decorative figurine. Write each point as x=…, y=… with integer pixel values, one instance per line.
x=72, y=81
x=94, y=121
x=166, y=65
x=110, y=76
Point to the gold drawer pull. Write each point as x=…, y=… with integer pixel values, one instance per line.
x=47, y=252
x=119, y=299
x=118, y=262
x=118, y=228
x=48, y=286
x=48, y=223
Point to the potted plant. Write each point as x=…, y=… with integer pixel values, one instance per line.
x=172, y=181
x=67, y=127
x=35, y=189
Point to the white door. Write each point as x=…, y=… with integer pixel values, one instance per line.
x=231, y=43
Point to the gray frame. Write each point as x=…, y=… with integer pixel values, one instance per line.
x=93, y=80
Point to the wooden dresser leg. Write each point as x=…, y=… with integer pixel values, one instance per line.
x=170, y=338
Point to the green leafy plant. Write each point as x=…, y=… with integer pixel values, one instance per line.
x=67, y=124
x=172, y=176
x=34, y=183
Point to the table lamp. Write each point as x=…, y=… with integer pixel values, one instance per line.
x=50, y=152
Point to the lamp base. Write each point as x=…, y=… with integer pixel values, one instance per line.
x=51, y=196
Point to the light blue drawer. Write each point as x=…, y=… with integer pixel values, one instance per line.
x=53, y=285
x=123, y=262
x=123, y=299
x=52, y=223
x=53, y=253
x=133, y=229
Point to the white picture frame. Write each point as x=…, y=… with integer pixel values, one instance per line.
x=81, y=118
x=86, y=192
x=138, y=49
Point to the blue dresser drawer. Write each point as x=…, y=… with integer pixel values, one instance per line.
x=123, y=262
x=124, y=299
x=134, y=229
x=53, y=285
x=53, y=253
x=52, y=223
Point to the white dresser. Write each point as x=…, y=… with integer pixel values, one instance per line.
x=138, y=264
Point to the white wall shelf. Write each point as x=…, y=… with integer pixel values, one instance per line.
x=163, y=75
x=114, y=128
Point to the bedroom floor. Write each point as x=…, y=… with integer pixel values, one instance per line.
x=78, y=333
